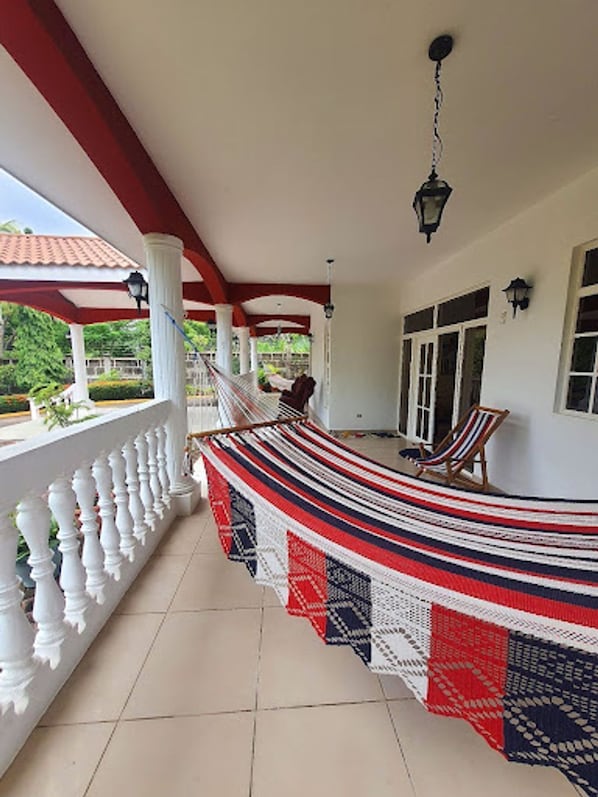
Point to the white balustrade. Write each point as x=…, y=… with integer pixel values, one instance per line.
x=16, y=633
x=145, y=491
x=93, y=553
x=140, y=527
x=123, y=519
x=154, y=478
x=62, y=501
x=109, y=536
x=103, y=488
x=33, y=520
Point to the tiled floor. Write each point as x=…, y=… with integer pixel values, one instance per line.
x=202, y=687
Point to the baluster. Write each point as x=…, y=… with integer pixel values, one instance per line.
x=62, y=501
x=144, y=485
x=140, y=528
x=162, y=470
x=109, y=537
x=93, y=553
x=33, y=519
x=154, y=479
x=124, y=521
x=16, y=634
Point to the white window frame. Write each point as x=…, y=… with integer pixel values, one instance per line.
x=576, y=292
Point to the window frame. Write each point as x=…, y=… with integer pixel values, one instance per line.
x=575, y=293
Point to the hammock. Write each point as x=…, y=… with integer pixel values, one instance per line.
x=485, y=605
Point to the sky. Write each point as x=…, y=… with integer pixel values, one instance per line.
x=28, y=209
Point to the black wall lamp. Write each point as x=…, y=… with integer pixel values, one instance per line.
x=432, y=196
x=517, y=294
x=137, y=288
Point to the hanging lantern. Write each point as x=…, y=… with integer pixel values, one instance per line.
x=329, y=307
x=517, y=294
x=432, y=196
x=137, y=288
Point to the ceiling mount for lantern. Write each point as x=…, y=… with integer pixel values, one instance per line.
x=329, y=307
x=137, y=288
x=430, y=199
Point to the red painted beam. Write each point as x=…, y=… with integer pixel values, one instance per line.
x=302, y=320
x=261, y=332
x=196, y=292
x=50, y=302
x=244, y=291
x=39, y=39
x=97, y=315
x=24, y=286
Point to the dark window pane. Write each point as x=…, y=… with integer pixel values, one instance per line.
x=584, y=354
x=420, y=390
x=578, y=395
x=595, y=407
x=417, y=322
x=473, y=366
x=418, y=430
x=590, y=269
x=429, y=360
x=422, y=359
x=587, y=315
x=446, y=369
x=405, y=381
x=464, y=308
x=427, y=392
x=425, y=425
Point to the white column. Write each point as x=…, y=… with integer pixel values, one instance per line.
x=81, y=392
x=224, y=337
x=254, y=358
x=243, y=335
x=164, y=256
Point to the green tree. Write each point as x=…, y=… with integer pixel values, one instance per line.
x=9, y=226
x=39, y=358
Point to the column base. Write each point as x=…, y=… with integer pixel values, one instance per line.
x=185, y=498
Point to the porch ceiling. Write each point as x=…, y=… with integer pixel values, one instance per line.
x=293, y=132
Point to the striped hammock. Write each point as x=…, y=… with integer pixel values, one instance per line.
x=485, y=605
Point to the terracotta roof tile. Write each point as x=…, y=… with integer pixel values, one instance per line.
x=60, y=250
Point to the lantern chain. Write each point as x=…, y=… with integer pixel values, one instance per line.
x=437, y=145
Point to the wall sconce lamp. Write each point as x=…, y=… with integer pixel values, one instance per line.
x=137, y=288
x=517, y=294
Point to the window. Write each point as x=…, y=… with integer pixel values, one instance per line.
x=464, y=308
x=417, y=322
x=581, y=393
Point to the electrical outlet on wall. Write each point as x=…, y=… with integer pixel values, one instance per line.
x=359, y=415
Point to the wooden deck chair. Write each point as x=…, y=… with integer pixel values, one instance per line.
x=463, y=445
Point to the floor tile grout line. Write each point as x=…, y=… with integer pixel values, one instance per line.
x=257, y=688
x=130, y=692
x=403, y=756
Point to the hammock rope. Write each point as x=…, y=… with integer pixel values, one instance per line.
x=485, y=605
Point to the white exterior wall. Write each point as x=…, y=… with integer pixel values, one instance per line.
x=365, y=332
x=537, y=451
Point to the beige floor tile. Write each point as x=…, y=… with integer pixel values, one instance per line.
x=201, y=662
x=209, y=542
x=154, y=588
x=447, y=757
x=298, y=669
x=57, y=762
x=184, y=534
x=394, y=688
x=212, y=582
x=178, y=757
x=328, y=750
x=99, y=687
x=271, y=598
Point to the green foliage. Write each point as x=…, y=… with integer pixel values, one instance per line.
x=118, y=339
x=57, y=412
x=39, y=359
x=15, y=403
x=199, y=333
x=283, y=343
x=7, y=379
x=10, y=226
x=118, y=390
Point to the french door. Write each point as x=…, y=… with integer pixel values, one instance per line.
x=441, y=379
x=422, y=415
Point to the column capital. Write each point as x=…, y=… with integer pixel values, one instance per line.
x=154, y=240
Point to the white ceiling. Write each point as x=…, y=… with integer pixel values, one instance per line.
x=295, y=131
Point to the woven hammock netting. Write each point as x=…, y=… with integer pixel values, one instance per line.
x=219, y=400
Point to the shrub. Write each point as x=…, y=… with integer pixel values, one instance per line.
x=118, y=390
x=14, y=403
x=7, y=378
